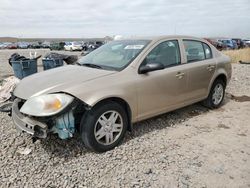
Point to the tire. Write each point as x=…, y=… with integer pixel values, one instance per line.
x=90, y=125
x=211, y=101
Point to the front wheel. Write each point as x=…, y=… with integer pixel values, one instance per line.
x=104, y=126
x=216, y=94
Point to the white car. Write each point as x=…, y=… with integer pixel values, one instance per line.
x=73, y=46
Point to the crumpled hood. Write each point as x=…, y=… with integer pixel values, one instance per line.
x=56, y=80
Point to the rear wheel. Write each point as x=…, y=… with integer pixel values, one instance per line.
x=104, y=126
x=216, y=94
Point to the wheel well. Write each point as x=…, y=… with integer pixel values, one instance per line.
x=124, y=104
x=222, y=77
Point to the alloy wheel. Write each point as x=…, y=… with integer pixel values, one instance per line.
x=108, y=127
x=218, y=94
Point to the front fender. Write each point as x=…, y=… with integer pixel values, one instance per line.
x=92, y=95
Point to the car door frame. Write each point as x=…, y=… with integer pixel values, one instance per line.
x=206, y=63
x=179, y=66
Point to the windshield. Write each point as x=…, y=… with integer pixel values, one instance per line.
x=115, y=55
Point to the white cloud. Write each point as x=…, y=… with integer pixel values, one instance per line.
x=77, y=18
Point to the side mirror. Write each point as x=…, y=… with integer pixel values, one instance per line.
x=149, y=67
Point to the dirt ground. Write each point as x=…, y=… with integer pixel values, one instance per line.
x=190, y=147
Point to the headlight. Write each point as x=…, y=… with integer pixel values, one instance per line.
x=46, y=105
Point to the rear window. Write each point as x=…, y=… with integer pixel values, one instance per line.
x=207, y=50
x=196, y=50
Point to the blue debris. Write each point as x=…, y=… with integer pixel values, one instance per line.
x=65, y=125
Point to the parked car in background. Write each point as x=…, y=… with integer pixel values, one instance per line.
x=94, y=44
x=98, y=44
x=35, y=45
x=235, y=44
x=240, y=43
x=23, y=45
x=118, y=84
x=86, y=51
x=88, y=47
x=220, y=45
x=4, y=45
x=12, y=46
x=73, y=46
x=217, y=43
x=45, y=44
x=247, y=42
x=230, y=44
x=57, y=46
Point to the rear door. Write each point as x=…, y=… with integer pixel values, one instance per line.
x=201, y=67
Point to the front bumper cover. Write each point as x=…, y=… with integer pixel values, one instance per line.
x=28, y=124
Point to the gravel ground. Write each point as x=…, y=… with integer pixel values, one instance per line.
x=190, y=147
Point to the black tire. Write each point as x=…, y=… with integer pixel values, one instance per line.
x=88, y=126
x=209, y=102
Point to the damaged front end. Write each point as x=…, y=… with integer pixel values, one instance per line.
x=65, y=123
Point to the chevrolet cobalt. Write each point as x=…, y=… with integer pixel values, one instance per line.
x=118, y=84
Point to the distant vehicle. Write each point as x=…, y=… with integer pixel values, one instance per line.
x=220, y=45
x=73, y=46
x=4, y=45
x=95, y=45
x=230, y=45
x=240, y=43
x=216, y=43
x=98, y=44
x=118, y=84
x=35, y=45
x=247, y=42
x=22, y=45
x=57, y=46
x=87, y=51
x=45, y=44
x=235, y=44
x=12, y=46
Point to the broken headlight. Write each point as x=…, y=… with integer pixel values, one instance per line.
x=46, y=105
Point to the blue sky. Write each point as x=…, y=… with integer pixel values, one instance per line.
x=98, y=18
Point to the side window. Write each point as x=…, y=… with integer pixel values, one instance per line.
x=194, y=50
x=208, y=52
x=167, y=53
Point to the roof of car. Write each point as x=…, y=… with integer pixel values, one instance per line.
x=156, y=38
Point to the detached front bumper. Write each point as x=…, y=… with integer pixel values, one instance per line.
x=27, y=124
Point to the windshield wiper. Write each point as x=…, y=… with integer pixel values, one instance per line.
x=92, y=65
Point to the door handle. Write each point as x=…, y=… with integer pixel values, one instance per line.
x=210, y=67
x=180, y=75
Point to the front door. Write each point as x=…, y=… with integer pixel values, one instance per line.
x=162, y=90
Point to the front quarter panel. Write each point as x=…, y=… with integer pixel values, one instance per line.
x=120, y=85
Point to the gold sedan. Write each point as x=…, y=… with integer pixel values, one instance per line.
x=118, y=84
